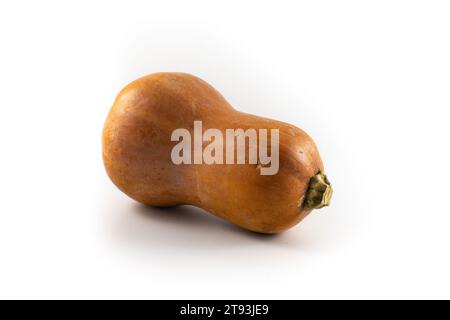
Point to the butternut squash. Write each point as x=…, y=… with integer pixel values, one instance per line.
x=137, y=150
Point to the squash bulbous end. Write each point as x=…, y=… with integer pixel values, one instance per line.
x=319, y=192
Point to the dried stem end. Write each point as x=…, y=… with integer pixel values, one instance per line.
x=319, y=192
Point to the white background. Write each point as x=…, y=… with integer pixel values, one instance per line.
x=368, y=80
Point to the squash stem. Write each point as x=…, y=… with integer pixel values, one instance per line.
x=319, y=192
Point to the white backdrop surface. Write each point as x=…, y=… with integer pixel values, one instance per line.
x=368, y=80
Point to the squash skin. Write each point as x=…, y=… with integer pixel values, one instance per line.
x=137, y=149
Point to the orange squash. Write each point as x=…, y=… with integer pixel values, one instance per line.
x=137, y=149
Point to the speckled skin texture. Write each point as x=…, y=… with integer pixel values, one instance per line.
x=137, y=155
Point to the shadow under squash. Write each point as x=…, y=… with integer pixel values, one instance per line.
x=184, y=226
